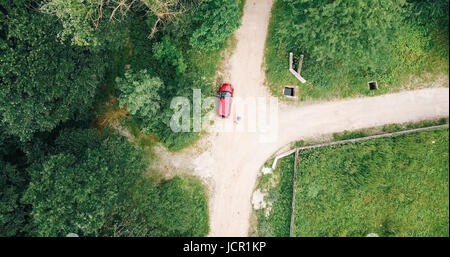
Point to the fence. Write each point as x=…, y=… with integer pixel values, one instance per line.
x=341, y=142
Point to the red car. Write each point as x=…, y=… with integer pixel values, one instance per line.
x=225, y=94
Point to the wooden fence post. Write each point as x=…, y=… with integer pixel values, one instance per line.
x=300, y=64
x=294, y=190
x=291, y=60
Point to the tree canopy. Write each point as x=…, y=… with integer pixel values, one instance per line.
x=95, y=22
x=77, y=189
x=59, y=60
x=140, y=94
x=218, y=20
x=93, y=184
x=43, y=81
x=12, y=212
x=13, y=182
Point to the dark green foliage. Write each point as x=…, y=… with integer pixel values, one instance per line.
x=349, y=135
x=184, y=206
x=57, y=176
x=391, y=186
x=13, y=181
x=347, y=43
x=12, y=212
x=180, y=65
x=92, y=184
x=140, y=93
x=178, y=141
x=97, y=24
x=76, y=190
x=43, y=81
x=218, y=19
x=169, y=55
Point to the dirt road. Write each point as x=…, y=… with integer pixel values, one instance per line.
x=235, y=158
x=232, y=160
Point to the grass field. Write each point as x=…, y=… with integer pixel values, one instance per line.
x=392, y=187
x=341, y=57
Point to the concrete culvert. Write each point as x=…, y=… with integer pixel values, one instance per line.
x=289, y=91
x=373, y=85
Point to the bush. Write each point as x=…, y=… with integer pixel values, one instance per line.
x=93, y=185
x=218, y=19
x=140, y=93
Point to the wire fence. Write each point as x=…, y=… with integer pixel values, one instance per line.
x=341, y=142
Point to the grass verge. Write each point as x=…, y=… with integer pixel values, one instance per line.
x=410, y=51
x=274, y=220
x=391, y=186
x=360, y=179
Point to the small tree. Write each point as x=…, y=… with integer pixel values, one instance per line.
x=140, y=94
x=218, y=19
x=169, y=54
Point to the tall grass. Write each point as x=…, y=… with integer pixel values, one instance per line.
x=341, y=57
x=392, y=187
x=276, y=218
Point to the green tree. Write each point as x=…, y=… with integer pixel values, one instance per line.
x=76, y=190
x=218, y=20
x=13, y=182
x=43, y=81
x=183, y=208
x=97, y=22
x=140, y=94
x=91, y=184
x=12, y=212
x=170, y=55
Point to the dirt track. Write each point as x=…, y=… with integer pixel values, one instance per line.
x=232, y=160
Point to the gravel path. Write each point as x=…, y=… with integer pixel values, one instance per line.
x=230, y=161
x=235, y=158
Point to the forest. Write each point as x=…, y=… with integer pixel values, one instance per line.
x=69, y=70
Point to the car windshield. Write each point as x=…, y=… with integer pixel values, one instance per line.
x=225, y=94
